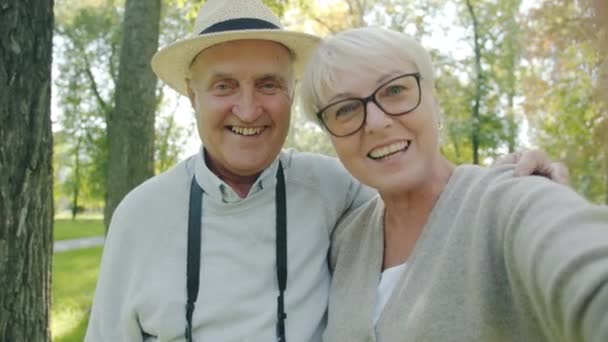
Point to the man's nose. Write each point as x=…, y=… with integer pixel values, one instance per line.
x=248, y=108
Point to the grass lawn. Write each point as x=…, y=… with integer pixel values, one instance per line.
x=66, y=229
x=74, y=278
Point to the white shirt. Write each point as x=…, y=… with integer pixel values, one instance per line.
x=388, y=280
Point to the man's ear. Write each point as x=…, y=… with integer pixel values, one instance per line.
x=191, y=94
x=292, y=91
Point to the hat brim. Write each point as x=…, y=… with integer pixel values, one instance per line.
x=171, y=63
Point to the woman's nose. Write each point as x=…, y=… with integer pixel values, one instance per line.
x=376, y=118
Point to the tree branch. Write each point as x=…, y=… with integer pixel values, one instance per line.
x=113, y=73
x=87, y=69
x=104, y=106
x=324, y=24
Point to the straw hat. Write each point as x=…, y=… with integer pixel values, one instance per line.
x=220, y=21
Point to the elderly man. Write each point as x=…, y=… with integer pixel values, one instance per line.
x=230, y=244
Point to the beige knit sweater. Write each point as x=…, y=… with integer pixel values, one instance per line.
x=500, y=259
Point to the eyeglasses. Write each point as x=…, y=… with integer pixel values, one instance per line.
x=398, y=96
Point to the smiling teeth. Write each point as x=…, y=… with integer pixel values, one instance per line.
x=388, y=150
x=247, y=130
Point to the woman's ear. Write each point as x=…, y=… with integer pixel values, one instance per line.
x=437, y=116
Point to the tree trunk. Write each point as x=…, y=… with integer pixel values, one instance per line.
x=476, y=121
x=26, y=204
x=77, y=181
x=131, y=122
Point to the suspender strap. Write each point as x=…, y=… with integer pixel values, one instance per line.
x=194, y=252
x=281, y=250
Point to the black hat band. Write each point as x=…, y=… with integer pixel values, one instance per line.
x=239, y=24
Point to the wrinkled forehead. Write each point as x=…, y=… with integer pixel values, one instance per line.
x=243, y=56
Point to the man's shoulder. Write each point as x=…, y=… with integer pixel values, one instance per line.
x=322, y=174
x=313, y=164
x=296, y=157
x=155, y=192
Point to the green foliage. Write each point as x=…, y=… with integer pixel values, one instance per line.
x=86, y=52
x=177, y=19
x=307, y=136
x=75, y=229
x=74, y=279
x=87, y=47
x=562, y=102
x=171, y=137
x=175, y=11
x=277, y=6
x=539, y=68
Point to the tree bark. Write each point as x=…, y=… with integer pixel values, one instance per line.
x=131, y=122
x=26, y=205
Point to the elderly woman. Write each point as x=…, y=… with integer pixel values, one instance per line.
x=444, y=253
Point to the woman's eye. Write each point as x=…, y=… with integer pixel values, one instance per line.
x=347, y=109
x=394, y=90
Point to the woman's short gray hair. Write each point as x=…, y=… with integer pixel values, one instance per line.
x=370, y=48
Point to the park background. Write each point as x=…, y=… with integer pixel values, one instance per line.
x=510, y=74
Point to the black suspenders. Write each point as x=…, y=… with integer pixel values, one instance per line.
x=281, y=249
x=194, y=252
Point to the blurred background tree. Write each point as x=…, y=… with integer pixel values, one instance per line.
x=510, y=74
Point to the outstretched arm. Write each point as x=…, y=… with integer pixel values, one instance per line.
x=556, y=250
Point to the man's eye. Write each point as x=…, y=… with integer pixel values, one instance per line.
x=269, y=87
x=222, y=88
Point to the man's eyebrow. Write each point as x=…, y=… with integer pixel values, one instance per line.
x=271, y=77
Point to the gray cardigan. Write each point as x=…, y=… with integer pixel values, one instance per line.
x=500, y=259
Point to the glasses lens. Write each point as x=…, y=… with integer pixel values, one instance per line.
x=399, y=96
x=344, y=117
